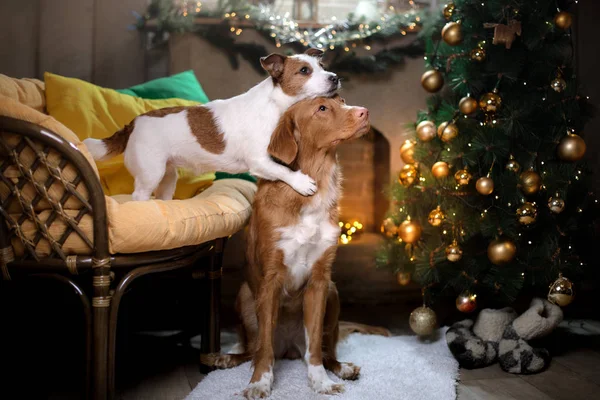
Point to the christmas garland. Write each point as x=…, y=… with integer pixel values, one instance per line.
x=224, y=26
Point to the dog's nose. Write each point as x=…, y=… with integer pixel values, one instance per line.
x=361, y=112
x=334, y=78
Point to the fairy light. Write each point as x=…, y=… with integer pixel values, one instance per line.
x=349, y=230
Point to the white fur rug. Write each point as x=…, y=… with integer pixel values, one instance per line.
x=392, y=368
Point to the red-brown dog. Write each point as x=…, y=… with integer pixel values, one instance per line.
x=289, y=306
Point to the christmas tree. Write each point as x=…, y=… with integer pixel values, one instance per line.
x=493, y=198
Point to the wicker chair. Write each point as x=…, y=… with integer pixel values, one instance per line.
x=25, y=187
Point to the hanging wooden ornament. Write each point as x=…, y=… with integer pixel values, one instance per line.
x=505, y=34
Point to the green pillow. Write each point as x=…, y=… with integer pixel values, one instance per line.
x=182, y=86
x=224, y=175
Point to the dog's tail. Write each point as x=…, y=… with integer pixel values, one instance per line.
x=347, y=328
x=111, y=146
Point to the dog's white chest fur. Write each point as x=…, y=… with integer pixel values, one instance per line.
x=305, y=242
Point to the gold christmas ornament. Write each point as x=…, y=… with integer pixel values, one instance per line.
x=407, y=151
x=452, y=33
x=527, y=213
x=490, y=102
x=462, y=176
x=436, y=216
x=440, y=169
x=403, y=278
x=484, y=185
x=531, y=182
x=478, y=54
x=563, y=20
x=454, y=252
x=409, y=231
x=448, y=10
x=389, y=228
x=447, y=131
x=466, y=302
x=408, y=175
x=558, y=84
x=422, y=321
x=426, y=131
x=432, y=80
x=561, y=292
x=571, y=148
x=512, y=165
x=467, y=105
x=556, y=204
x=501, y=251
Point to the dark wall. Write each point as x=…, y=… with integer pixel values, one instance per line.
x=588, y=58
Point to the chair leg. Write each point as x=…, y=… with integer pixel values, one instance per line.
x=211, y=329
x=100, y=314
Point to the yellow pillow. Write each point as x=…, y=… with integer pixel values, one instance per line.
x=95, y=112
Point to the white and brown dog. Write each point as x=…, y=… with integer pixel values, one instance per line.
x=289, y=306
x=229, y=135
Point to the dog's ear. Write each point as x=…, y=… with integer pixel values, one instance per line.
x=339, y=98
x=314, y=52
x=283, y=144
x=273, y=64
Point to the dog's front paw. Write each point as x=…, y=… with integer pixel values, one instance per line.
x=348, y=371
x=257, y=390
x=320, y=382
x=304, y=184
x=326, y=386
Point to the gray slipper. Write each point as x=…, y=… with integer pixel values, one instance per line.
x=515, y=354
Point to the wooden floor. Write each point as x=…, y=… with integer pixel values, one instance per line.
x=573, y=374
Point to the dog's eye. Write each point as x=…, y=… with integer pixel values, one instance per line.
x=304, y=70
x=322, y=108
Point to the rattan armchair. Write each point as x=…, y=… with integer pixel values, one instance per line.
x=26, y=187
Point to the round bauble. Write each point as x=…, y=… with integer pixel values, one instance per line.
x=467, y=105
x=432, y=81
x=531, y=182
x=403, y=278
x=527, y=213
x=490, y=102
x=571, y=148
x=409, y=231
x=389, y=227
x=422, y=321
x=407, y=151
x=556, y=204
x=440, y=169
x=462, y=176
x=561, y=292
x=501, y=251
x=466, y=302
x=478, y=54
x=452, y=33
x=426, y=131
x=447, y=131
x=436, y=216
x=448, y=10
x=512, y=165
x=408, y=175
x=484, y=185
x=558, y=84
x=454, y=252
x=563, y=20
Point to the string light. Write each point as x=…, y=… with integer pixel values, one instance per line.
x=349, y=230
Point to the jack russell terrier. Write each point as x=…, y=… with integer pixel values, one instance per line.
x=289, y=306
x=229, y=135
